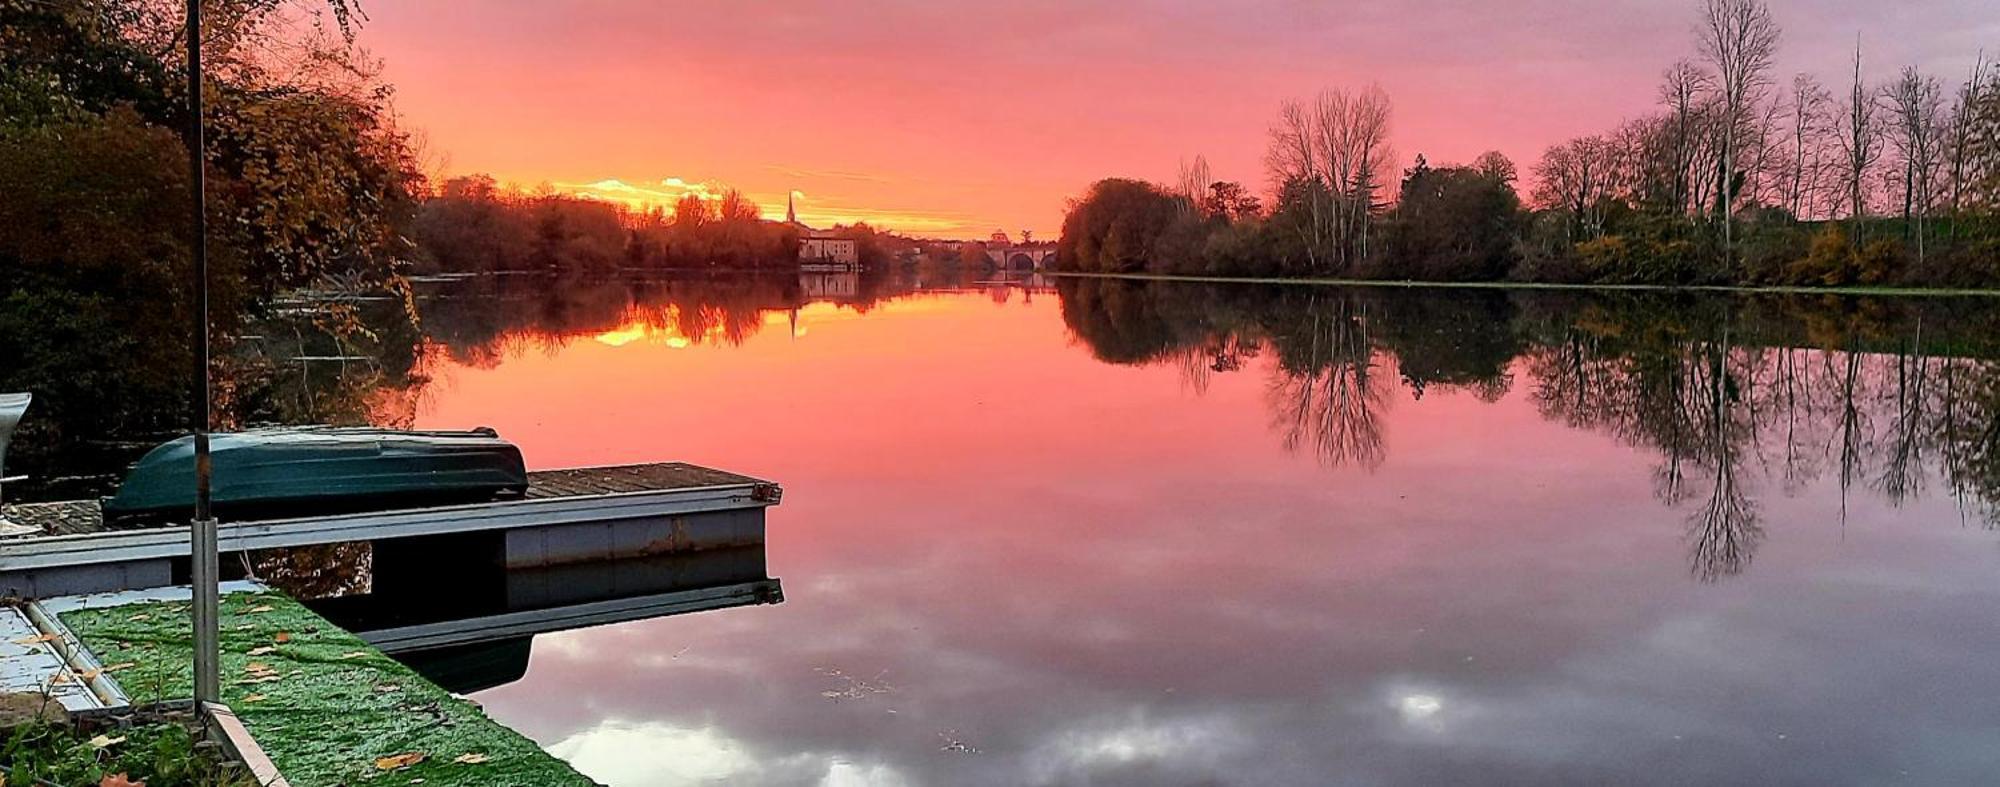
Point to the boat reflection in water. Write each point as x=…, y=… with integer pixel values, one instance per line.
x=468, y=623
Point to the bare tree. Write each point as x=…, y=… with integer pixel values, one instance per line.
x=1685, y=83
x=1859, y=145
x=1575, y=178
x=1338, y=149
x=1739, y=39
x=1192, y=184
x=1961, y=136
x=1353, y=135
x=1917, y=104
x=1291, y=162
x=1809, y=106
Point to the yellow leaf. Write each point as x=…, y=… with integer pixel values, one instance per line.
x=120, y=665
x=260, y=609
x=399, y=761
x=140, y=616
x=246, y=698
x=283, y=636
x=102, y=741
x=354, y=654
x=261, y=651
x=36, y=639
x=469, y=759
x=258, y=666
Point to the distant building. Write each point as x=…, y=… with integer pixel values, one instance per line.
x=822, y=249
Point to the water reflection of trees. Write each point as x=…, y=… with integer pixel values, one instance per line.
x=356, y=359
x=1734, y=397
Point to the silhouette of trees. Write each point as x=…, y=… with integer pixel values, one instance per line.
x=1117, y=226
x=1731, y=180
x=1454, y=223
x=1739, y=39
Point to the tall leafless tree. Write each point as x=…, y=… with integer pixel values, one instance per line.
x=1191, y=185
x=1338, y=147
x=1808, y=120
x=1685, y=84
x=1961, y=136
x=1917, y=104
x=1291, y=162
x=1575, y=178
x=1860, y=146
x=1740, y=39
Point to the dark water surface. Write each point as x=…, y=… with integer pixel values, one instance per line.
x=1116, y=533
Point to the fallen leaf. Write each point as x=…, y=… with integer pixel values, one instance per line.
x=354, y=654
x=399, y=761
x=258, y=666
x=386, y=687
x=283, y=637
x=140, y=616
x=120, y=665
x=246, y=698
x=36, y=639
x=260, y=609
x=60, y=677
x=102, y=741
x=261, y=651
x=113, y=780
x=469, y=759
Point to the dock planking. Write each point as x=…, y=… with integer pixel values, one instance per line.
x=565, y=516
x=83, y=517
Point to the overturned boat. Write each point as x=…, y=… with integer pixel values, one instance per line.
x=297, y=471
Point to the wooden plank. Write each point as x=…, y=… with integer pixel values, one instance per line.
x=236, y=740
x=74, y=517
x=120, y=546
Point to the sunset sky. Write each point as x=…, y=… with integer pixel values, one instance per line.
x=946, y=118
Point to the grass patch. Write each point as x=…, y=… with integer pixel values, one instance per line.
x=328, y=708
x=158, y=754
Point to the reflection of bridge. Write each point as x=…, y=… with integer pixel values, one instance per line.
x=1021, y=257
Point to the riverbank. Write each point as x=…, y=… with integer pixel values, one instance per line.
x=1516, y=285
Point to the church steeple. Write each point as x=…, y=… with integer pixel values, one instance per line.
x=791, y=212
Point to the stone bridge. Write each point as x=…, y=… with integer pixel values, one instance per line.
x=1016, y=257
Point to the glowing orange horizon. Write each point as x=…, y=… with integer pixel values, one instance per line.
x=952, y=119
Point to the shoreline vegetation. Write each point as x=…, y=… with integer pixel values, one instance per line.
x=1742, y=289
x=1738, y=179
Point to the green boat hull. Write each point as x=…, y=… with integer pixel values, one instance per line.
x=269, y=473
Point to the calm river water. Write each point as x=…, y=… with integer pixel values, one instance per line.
x=1118, y=533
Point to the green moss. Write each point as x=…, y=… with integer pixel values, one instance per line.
x=323, y=704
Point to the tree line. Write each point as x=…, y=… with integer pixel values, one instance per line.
x=473, y=225
x=1733, y=179
x=313, y=191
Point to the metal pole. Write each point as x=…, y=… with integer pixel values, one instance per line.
x=203, y=563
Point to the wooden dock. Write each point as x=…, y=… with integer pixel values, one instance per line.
x=567, y=516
